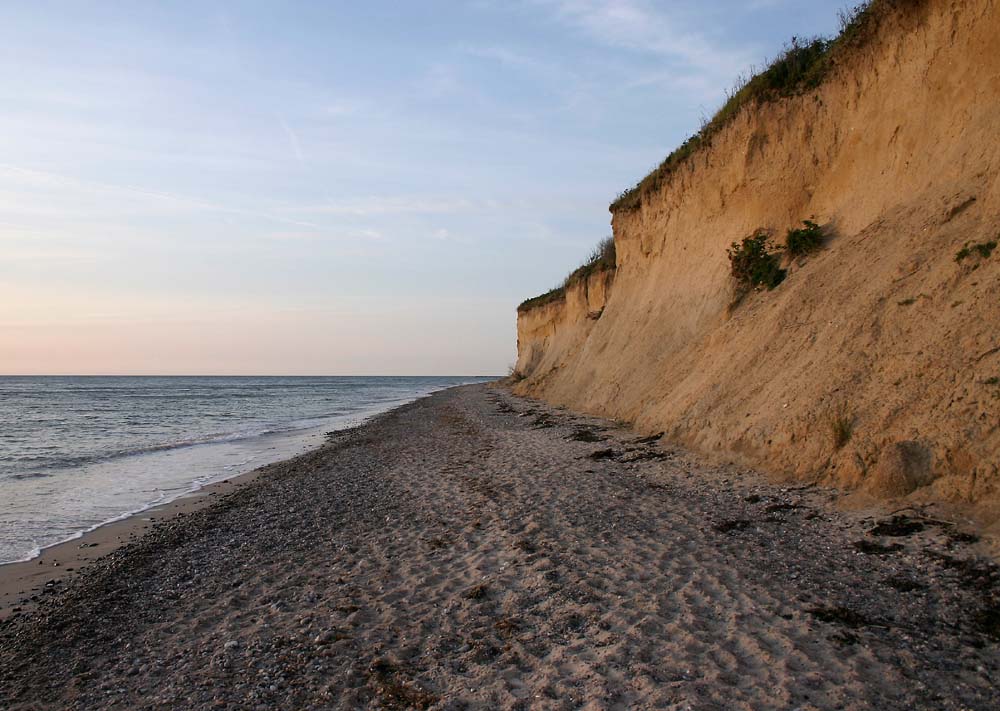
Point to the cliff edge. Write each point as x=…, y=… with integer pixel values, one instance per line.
x=875, y=364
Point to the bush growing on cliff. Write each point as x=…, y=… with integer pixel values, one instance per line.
x=804, y=240
x=801, y=67
x=753, y=263
x=983, y=250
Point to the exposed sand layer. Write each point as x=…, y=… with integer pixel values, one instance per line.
x=476, y=550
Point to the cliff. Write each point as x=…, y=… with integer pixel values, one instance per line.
x=875, y=364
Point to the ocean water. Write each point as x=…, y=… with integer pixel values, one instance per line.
x=78, y=452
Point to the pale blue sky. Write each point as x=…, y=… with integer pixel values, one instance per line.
x=331, y=187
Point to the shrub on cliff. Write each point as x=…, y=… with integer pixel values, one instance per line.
x=804, y=240
x=513, y=374
x=983, y=250
x=753, y=263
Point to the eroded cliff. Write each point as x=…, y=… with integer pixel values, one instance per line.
x=888, y=330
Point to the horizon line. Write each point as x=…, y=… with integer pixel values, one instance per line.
x=242, y=375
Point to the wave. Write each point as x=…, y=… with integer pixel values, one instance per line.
x=51, y=467
x=37, y=549
x=36, y=467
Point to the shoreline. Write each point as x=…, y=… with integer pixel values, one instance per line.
x=22, y=580
x=473, y=548
x=61, y=561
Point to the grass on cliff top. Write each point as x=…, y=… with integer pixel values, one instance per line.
x=602, y=258
x=801, y=67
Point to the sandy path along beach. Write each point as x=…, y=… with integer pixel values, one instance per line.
x=476, y=550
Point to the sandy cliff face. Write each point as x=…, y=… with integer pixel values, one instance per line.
x=549, y=334
x=897, y=154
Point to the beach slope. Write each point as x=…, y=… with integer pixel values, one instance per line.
x=478, y=550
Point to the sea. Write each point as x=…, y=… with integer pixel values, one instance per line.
x=80, y=452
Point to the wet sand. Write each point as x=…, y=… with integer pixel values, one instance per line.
x=476, y=550
x=23, y=584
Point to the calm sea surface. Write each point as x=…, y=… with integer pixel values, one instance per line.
x=77, y=452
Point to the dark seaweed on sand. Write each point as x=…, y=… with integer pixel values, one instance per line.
x=904, y=584
x=731, y=526
x=603, y=454
x=476, y=592
x=585, y=434
x=395, y=691
x=839, y=615
x=646, y=455
x=898, y=526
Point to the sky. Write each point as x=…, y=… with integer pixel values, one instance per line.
x=331, y=187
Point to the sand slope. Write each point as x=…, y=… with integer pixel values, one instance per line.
x=475, y=550
x=897, y=156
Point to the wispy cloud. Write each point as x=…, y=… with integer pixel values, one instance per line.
x=439, y=81
x=503, y=55
x=340, y=109
x=363, y=234
x=699, y=86
x=293, y=140
x=643, y=27
x=543, y=69
x=27, y=179
x=382, y=205
x=41, y=254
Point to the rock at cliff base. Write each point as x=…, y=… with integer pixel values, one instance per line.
x=902, y=468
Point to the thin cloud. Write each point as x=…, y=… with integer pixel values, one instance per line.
x=340, y=109
x=390, y=206
x=639, y=26
x=700, y=87
x=519, y=60
x=49, y=180
x=293, y=140
x=48, y=255
x=365, y=234
x=439, y=81
x=503, y=55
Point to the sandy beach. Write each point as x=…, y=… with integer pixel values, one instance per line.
x=478, y=550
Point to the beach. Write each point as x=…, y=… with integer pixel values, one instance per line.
x=478, y=550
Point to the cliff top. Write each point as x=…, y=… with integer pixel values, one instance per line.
x=802, y=66
x=601, y=259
